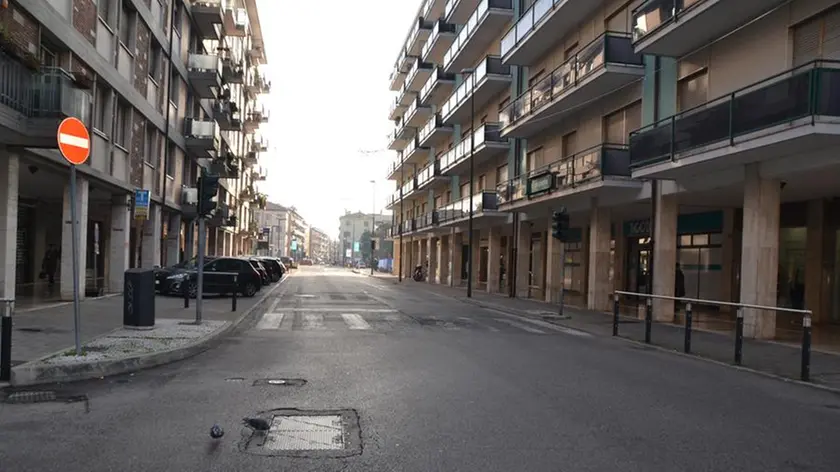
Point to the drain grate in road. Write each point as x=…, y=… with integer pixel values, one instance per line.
x=235, y=379
x=38, y=396
x=307, y=433
x=280, y=382
x=31, y=330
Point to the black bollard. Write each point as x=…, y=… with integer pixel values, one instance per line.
x=687, y=341
x=233, y=297
x=615, y=315
x=805, y=374
x=739, y=337
x=6, y=343
x=185, y=290
x=648, y=319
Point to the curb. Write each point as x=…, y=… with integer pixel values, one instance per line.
x=33, y=373
x=60, y=304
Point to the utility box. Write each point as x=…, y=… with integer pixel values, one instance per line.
x=139, y=299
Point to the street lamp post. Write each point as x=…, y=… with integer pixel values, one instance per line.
x=372, y=226
x=470, y=266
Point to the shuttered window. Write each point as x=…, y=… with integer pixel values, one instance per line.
x=817, y=38
x=618, y=21
x=693, y=90
x=437, y=202
x=502, y=174
x=535, y=159
x=570, y=144
x=619, y=124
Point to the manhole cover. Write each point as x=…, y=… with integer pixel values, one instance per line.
x=307, y=433
x=280, y=382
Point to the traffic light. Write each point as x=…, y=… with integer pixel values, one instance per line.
x=560, y=225
x=208, y=187
x=372, y=244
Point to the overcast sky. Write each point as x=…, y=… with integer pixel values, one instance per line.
x=329, y=63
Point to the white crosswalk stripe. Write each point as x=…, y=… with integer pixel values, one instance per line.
x=521, y=326
x=313, y=321
x=270, y=321
x=355, y=321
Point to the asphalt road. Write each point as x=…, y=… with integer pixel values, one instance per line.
x=437, y=385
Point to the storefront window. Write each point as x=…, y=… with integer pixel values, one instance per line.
x=701, y=259
x=791, y=282
x=574, y=276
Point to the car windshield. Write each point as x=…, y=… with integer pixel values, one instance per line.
x=190, y=264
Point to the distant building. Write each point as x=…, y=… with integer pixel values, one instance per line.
x=317, y=244
x=287, y=230
x=351, y=228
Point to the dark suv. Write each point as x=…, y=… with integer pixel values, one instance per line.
x=275, y=268
x=217, y=277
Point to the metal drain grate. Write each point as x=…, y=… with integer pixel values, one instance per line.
x=301, y=433
x=31, y=397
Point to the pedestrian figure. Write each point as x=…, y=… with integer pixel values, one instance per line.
x=50, y=264
x=679, y=288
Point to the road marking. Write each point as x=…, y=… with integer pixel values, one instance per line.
x=355, y=321
x=313, y=321
x=273, y=306
x=270, y=321
x=544, y=324
x=521, y=326
x=378, y=287
x=342, y=310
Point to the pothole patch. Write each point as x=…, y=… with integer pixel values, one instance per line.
x=279, y=382
x=306, y=433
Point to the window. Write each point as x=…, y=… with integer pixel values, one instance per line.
x=482, y=182
x=170, y=160
x=502, y=174
x=449, y=196
x=103, y=115
x=366, y=224
x=619, y=124
x=693, y=90
x=121, y=124
x=504, y=103
x=155, y=60
x=437, y=201
x=570, y=144
x=465, y=189
x=127, y=26
x=536, y=78
x=347, y=234
x=817, y=38
x=178, y=18
x=570, y=51
x=105, y=10
x=534, y=159
x=618, y=21
x=151, y=154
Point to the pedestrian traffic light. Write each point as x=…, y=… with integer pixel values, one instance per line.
x=208, y=187
x=372, y=244
x=560, y=225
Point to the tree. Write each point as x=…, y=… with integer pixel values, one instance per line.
x=364, y=246
x=384, y=248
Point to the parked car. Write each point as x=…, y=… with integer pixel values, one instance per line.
x=264, y=276
x=274, y=267
x=289, y=262
x=217, y=277
x=306, y=262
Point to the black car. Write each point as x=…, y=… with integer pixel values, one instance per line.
x=274, y=267
x=264, y=275
x=218, y=277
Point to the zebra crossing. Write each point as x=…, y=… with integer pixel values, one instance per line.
x=383, y=320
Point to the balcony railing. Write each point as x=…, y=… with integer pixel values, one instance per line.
x=488, y=132
x=412, y=146
x=408, y=226
x=204, y=62
x=491, y=65
x=437, y=76
x=441, y=27
x=409, y=187
x=482, y=201
x=471, y=26
x=609, y=48
x=568, y=172
x=426, y=221
x=534, y=18
x=810, y=90
x=435, y=123
x=428, y=173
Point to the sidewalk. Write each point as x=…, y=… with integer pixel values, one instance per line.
x=771, y=357
x=37, y=334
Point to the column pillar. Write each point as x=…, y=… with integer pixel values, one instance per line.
x=443, y=259
x=664, y=254
x=431, y=251
x=553, y=274
x=760, y=252
x=494, y=259
x=814, y=255
x=620, y=258
x=66, y=281
x=152, y=230
x=173, y=239
x=457, y=259
x=599, y=289
x=523, y=258
x=9, y=183
x=728, y=259
x=475, y=256
x=118, y=243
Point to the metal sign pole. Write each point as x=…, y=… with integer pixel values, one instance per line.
x=562, y=277
x=74, y=225
x=199, y=293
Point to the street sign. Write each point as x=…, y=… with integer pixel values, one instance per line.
x=355, y=246
x=294, y=245
x=73, y=141
x=348, y=253
x=141, y=204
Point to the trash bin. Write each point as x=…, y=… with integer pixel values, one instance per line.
x=139, y=299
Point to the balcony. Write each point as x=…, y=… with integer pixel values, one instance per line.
x=393, y=199
x=429, y=174
x=254, y=119
x=413, y=152
x=418, y=74
x=434, y=131
x=399, y=139
x=258, y=85
x=433, y=8
x=408, y=226
x=225, y=167
x=32, y=104
x=401, y=67
x=256, y=55
x=205, y=74
x=417, y=37
x=485, y=206
x=677, y=27
x=394, y=232
x=223, y=216
x=207, y=14
x=599, y=171
x=259, y=145
x=602, y=66
x=202, y=137
x=441, y=39
x=394, y=167
x=259, y=175
x=233, y=72
x=480, y=30
x=227, y=116
x=397, y=109
x=409, y=187
x=235, y=22
x=792, y=115
x=459, y=11
x=426, y=222
x=488, y=143
x=438, y=87
x=417, y=114
x=542, y=26
x=490, y=78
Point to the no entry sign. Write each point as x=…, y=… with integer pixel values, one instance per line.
x=73, y=141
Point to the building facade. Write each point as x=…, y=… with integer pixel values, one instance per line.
x=317, y=244
x=680, y=136
x=168, y=89
x=286, y=228
x=352, y=225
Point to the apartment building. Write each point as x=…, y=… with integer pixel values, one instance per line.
x=694, y=134
x=168, y=89
x=351, y=227
x=274, y=223
x=317, y=244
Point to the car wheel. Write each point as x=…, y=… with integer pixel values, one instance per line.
x=192, y=288
x=250, y=289
x=275, y=277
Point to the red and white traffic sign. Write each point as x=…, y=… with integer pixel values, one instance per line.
x=73, y=141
